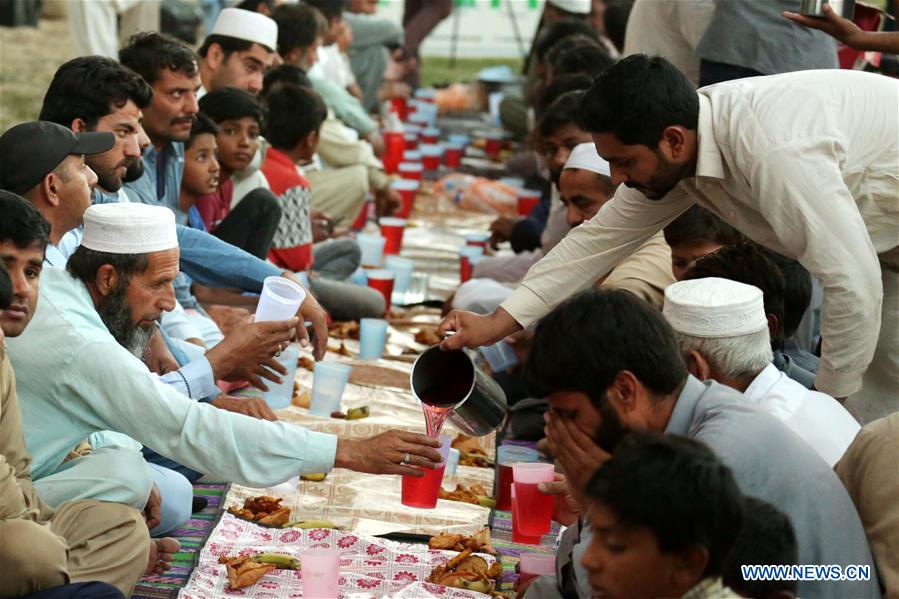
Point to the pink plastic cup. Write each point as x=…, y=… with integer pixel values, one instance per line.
x=320, y=572
x=517, y=537
x=423, y=492
x=392, y=230
x=535, y=520
x=532, y=565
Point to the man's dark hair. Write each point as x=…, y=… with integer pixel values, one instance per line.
x=293, y=112
x=766, y=537
x=588, y=59
x=228, y=44
x=746, y=263
x=230, y=103
x=797, y=289
x=148, y=53
x=284, y=74
x=332, y=9
x=555, y=32
x=84, y=264
x=560, y=113
x=637, y=98
x=202, y=124
x=698, y=225
x=584, y=343
x=567, y=43
x=678, y=489
x=559, y=86
x=22, y=223
x=615, y=21
x=89, y=88
x=5, y=288
x=298, y=26
x=253, y=5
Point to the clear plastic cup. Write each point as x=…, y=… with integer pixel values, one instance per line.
x=392, y=229
x=532, y=565
x=280, y=299
x=536, y=519
x=452, y=461
x=320, y=573
x=479, y=239
x=372, y=248
x=280, y=395
x=418, y=288
x=402, y=269
x=328, y=382
x=500, y=356
x=372, y=337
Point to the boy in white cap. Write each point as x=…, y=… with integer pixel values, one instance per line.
x=121, y=278
x=722, y=330
x=239, y=50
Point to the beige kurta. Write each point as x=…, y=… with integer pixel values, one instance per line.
x=80, y=541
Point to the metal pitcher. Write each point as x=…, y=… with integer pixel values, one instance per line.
x=813, y=8
x=482, y=409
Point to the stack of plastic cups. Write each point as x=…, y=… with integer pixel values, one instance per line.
x=479, y=239
x=411, y=156
x=392, y=231
x=425, y=114
x=411, y=140
x=430, y=156
x=408, y=189
x=280, y=300
x=372, y=338
x=527, y=201
x=328, y=382
x=430, y=135
x=382, y=282
x=411, y=170
x=452, y=156
x=402, y=269
x=394, y=145
x=467, y=255
x=372, y=248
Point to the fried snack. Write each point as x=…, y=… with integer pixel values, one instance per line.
x=243, y=571
x=479, y=543
x=344, y=330
x=278, y=518
x=427, y=337
x=301, y=399
x=340, y=351
x=472, y=494
x=307, y=363
x=467, y=571
x=471, y=452
x=264, y=510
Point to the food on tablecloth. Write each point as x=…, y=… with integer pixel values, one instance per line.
x=315, y=478
x=301, y=398
x=357, y=413
x=470, y=452
x=469, y=572
x=340, y=351
x=244, y=571
x=307, y=363
x=427, y=337
x=310, y=524
x=478, y=543
x=344, y=330
x=474, y=494
x=281, y=561
x=263, y=510
x=379, y=376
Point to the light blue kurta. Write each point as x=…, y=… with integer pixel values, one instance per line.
x=74, y=379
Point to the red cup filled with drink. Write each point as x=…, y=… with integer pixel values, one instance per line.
x=362, y=217
x=506, y=456
x=468, y=256
x=452, y=156
x=528, y=200
x=493, y=144
x=401, y=107
x=394, y=146
x=408, y=189
x=382, y=281
x=411, y=170
x=422, y=492
x=430, y=156
x=517, y=536
x=536, y=519
x=392, y=230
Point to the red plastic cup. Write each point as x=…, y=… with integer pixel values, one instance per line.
x=394, y=145
x=430, y=135
x=411, y=170
x=392, y=230
x=504, y=492
x=477, y=240
x=468, y=257
x=400, y=107
x=452, y=156
x=411, y=140
x=517, y=536
x=430, y=156
x=422, y=492
x=408, y=190
x=506, y=456
x=494, y=145
x=362, y=218
x=536, y=519
x=382, y=281
x=527, y=200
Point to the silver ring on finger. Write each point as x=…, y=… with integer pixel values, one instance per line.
x=407, y=459
x=280, y=349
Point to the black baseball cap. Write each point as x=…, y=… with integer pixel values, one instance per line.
x=30, y=151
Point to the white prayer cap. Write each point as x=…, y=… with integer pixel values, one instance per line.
x=584, y=156
x=129, y=228
x=247, y=25
x=714, y=308
x=578, y=7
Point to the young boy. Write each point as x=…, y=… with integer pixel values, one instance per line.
x=251, y=223
x=201, y=169
x=294, y=117
x=694, y=234
x=665, y=512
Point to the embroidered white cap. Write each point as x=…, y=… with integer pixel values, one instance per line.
x=714, y=308
x=129, y=228
x=247, y=25
x=585, y=157
x=578, y=7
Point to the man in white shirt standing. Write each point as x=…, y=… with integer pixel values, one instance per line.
x=805, y=163
x=722, y=330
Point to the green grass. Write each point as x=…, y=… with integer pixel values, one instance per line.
x=438, y=71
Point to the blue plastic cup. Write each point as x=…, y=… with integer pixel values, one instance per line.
x=500, y=356
x=402, y=269
x=372, y=247
x=328, y=382
x=372, y=337
x=280, y=396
